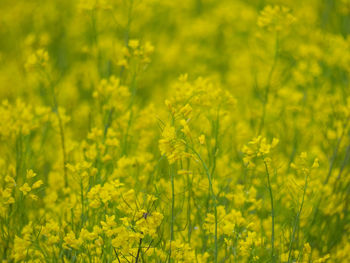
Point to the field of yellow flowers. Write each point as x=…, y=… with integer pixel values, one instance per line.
x=191, y=131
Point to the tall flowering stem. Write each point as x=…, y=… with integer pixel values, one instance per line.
x=172, y=220
x=272, y=211
x=213, y=197
x=268, y=84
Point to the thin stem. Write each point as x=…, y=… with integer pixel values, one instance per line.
x=189, y=208
x=333, y=158
x=343, y=165
x=138, y=252
x=116, y=254
x=82, y=202
x=272, y=213
x=60, y=126
x=109, y=122
x=268, y=84
x=172, y=220
x=297, y=219
x=127, y=31
x=213, y=196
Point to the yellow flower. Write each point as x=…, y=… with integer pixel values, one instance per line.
x=25, y=189
x=30, y=174
x=71, y=241
x=185, y=129
x=201, y=139
x=275, y=18
x=37, y=59
x=34, y=197
x=134, y=43
x=315, y=164
x=170, y=146
x=37, y=184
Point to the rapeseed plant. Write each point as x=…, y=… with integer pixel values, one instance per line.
x=160, y=131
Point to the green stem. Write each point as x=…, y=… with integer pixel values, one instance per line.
x=138, y=251
x=64, y=156
x=272, y=213
x=297, y=219
x=60, y=126
x=268, y=85
x=213, y=196
x=82, y=201
x=172, y=209
x=189, y=208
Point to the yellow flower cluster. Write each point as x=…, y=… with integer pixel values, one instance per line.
x=149, y=131
x=275, y=18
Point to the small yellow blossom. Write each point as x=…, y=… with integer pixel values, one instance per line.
x=25, y=189
x=30, y=174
